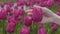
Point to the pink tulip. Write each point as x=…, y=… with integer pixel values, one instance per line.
x=42, y=31
x=9, y=3
x=19, y=17
x=3, y=14
x=21, y=11
x=40, y=25
x=37, y=14
x=43, y=3
x=58, y=12
x=22, y=2
x=11, y=27
x=50, y=3
x=18, y=4
x=16, y=12
x=28, y=20
x=25, y=30
x=32, y=2
x=38, y=1
x=54, y=27
x=12, y=19
x=9, y=10
x=47, y=3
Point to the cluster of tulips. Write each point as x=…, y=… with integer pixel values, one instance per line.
x=14, y=12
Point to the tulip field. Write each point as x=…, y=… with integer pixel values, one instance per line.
x=17, y=20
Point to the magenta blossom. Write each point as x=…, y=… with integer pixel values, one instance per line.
x=47, y=3
x=37, y=14
x=25, y=30
x=11, y=27
x=9, y=10
x=58, y=12
x=32, y=2
x=54, y=27
x=22, y=2
x=12, y=19
x=3, y=14
x=9, y=3
x=16, y=12
x=42, y=31
x=19, y=18
x=28, y=20
x=21, y=11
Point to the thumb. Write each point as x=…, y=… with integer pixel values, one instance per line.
x=48, y=12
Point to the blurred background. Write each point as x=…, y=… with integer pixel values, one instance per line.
x=3, y=24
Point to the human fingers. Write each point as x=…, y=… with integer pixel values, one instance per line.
x=47, y=20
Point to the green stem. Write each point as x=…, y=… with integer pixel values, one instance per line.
x=4, y=27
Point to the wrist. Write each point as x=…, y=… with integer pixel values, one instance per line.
x=56, y=19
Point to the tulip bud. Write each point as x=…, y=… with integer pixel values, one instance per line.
x=19, y=17
x=50, y=3
x=58, y=12
x=25, y=30
x=9, y=3
x=21, y=11
x=12, y=19
x=32, y=2
x=42, y=31
x=28, y=20
x=3, y=14
x=37, y=14
x=16, y=12
x=9, y=10
x=54, y=27
x=38, y=1
x=22, y=2
x=11, y=27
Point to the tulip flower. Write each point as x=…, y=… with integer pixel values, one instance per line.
x=25, y=30
x=47, y=3
x=21, y=11
x=58, y=12
x=37, y=14
x=22, y=2
x=9, y=3
x=27, y=20
x=54, y=27
x=19, y=17
x=12, y=19
x=11, y=27
x=32, y=2
x=16, y=12
x=50, y=3
x=3, y=14
x=42, y=31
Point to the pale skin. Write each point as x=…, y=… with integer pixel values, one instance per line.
x=48, y=16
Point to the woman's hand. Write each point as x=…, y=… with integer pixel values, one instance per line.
x=48, y=15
